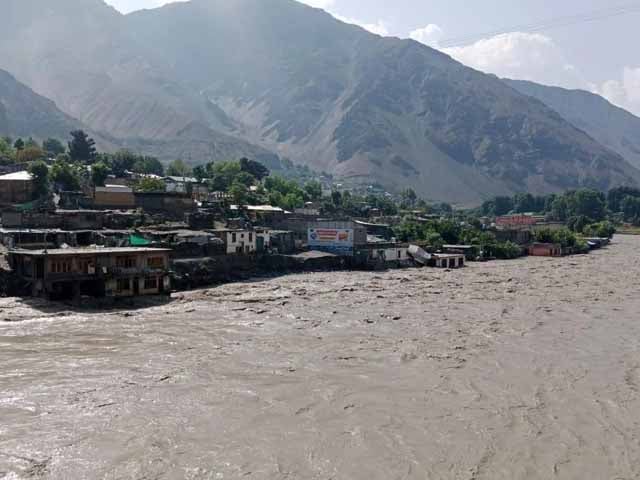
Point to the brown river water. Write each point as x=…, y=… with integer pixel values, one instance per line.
x=528, y=369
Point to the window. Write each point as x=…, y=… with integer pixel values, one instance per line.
x=126, y=262
x=151, y=283
x=124, y=284
x=242, y=236
x=61, y=266
x=234, y=238
x=251, y=237
x=155, y=262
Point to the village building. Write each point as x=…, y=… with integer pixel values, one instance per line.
x=16, y=188
x=172, y=204
x=114, y=197
x=545, y=250
x=447, y=260
x=69, y=273
x=469, y=251
x=238, y=241
x=338, y=237
x=379, y=253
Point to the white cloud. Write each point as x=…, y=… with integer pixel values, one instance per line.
x=430, y=35
x=379, y=27
x=624, y=92
x=126, y=6
x=324, y=4
x=523, y=56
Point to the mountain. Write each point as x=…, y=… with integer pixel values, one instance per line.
x=23, y=113
x=612, y=126
x=209, y=78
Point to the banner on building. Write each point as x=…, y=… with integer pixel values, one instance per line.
x=333, y=240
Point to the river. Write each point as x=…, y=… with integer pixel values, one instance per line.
x=525, y=369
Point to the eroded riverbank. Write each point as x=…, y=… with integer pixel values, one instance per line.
x=504, y=370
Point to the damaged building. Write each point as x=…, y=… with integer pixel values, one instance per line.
x=70, y=273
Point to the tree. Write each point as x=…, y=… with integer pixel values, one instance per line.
x=630, y=207
x=200, y=172
x=238, y=193
x=148, y=166
x=149, y=185
x=178, y=168
x=82, y=148
x=53, y=147
x=256, y=169
x=119, y=162
x=7, y=154
x=99, y=174
x=30, y=154
x=40, y=172
x=589, y=203
x=313, y=189
x=19, y=144
x=65, y=175
x=617, y=195
x=409, y=198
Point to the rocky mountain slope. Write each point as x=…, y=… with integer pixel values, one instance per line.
x=23, y=113
x=212, y=78
x=611, y=126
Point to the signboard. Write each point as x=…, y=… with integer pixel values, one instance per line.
x=333, y=240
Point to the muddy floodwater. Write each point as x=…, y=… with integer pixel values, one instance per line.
x=527, y=369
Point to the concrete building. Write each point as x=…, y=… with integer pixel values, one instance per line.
x=238, y=242
x=16, y=188
x=69, y=273
x=545, y=250
x=114, y=196
x=448, y=260
x=337, y=237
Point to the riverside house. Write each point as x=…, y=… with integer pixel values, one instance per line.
x=69, y=273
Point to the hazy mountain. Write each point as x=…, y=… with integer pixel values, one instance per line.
x=191, y=77
x=612, y=126
x=24, y=113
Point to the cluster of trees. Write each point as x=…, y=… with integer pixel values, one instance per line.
x=625, y=201
x=584, y=211
x=69, y=167
x=563, y=237
x=436, y=233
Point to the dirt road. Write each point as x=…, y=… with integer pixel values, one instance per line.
x=507, y=370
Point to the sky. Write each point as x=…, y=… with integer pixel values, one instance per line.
x=585, y=44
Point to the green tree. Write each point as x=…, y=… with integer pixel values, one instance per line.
x=82, y=148
x=588, y=203
x=200, y=172
x=630, y=207
x=30, y=154
x=120, y=162
x=7, y=154
x=99, y=174
x=617, y=195
x=238, y=192
x=313, y=189
x=150, y=185
x=53, y=147
x=19, y=144
x=147, y=166
x=65, y=175
x=40, y=172
x=178, y=168
x=255, y=169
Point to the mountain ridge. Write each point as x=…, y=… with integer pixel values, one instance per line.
x=283, y=78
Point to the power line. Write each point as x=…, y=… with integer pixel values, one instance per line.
x=548, y=24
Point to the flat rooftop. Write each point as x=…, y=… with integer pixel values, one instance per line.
x=87, y=251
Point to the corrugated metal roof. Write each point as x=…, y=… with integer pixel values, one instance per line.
x=22, y=176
